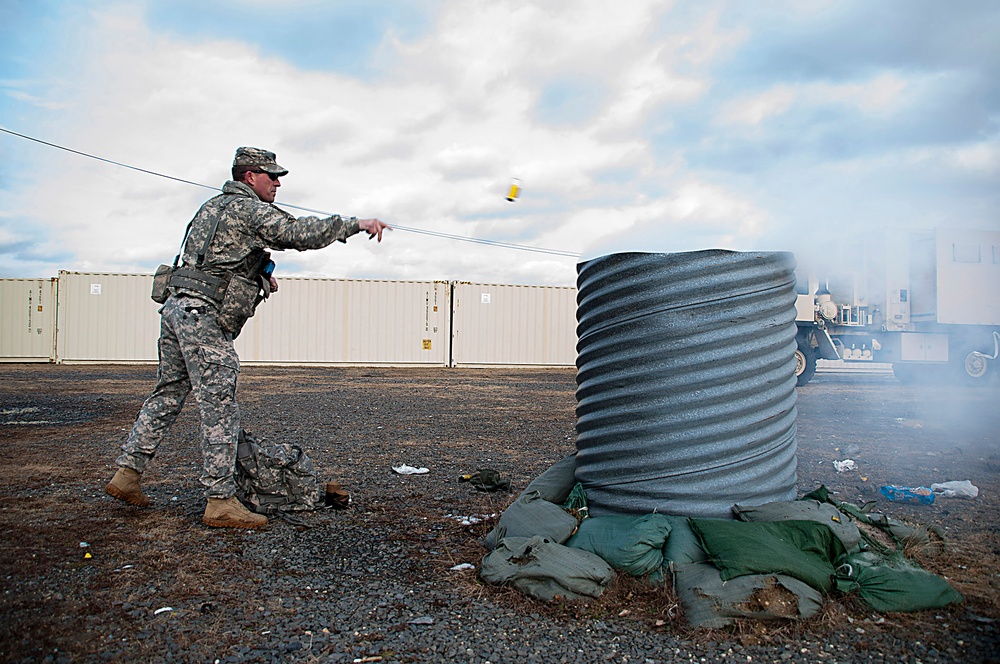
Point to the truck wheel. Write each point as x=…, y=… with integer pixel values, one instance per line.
x=904, y=373
x=805, y=363
x=974, y=368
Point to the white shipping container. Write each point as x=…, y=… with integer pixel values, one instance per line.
x=27, y=320
x=968, y=277
x=513, y=325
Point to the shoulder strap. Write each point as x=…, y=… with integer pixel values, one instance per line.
x=208, y=238
x=187, y=231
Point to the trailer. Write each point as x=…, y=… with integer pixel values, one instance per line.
x=926, y=302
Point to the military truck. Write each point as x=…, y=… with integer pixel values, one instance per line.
x=926, y=302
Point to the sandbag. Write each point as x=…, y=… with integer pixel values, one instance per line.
x=682, y=546
x=632, y=544
x=555, y=484
x=531, y=515
x=711, y=602
x=804, y=510
x=546, y=570
x=893, y=583
x=804, y=550
x=926, y=539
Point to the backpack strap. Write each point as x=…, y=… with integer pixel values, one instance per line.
x=194, y=278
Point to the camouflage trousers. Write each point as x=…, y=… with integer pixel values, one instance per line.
x=197, y=356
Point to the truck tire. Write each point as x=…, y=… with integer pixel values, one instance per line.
x=805, y=362
x=973, y=368
x=904, y=373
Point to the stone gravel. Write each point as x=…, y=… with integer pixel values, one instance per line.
x=375, y=582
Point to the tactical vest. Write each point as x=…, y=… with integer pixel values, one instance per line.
x=236, y=294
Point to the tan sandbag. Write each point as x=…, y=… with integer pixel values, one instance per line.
x=545, y=570
x=709, y=601
x=531, y=515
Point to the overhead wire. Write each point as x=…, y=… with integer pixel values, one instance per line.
x=421, y=231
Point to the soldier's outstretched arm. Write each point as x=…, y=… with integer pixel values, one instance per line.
x=281, y=230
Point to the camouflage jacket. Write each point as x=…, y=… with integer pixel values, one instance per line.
x=248, y=226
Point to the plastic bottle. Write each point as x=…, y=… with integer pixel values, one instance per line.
x=956, y=489
x=918, y=495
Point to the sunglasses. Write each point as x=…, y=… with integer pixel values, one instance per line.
x=274, y=178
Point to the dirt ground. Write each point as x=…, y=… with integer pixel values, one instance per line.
x=81, y=570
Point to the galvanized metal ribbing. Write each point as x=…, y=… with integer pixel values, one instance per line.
x=686, y=381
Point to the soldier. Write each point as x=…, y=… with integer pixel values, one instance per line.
x=225, y=274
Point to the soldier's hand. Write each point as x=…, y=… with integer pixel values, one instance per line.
x=373, y=227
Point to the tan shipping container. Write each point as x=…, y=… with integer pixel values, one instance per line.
x=106, y=318
x=346, y=321
x=513, y=325
x=110, y=318
x=28, y=320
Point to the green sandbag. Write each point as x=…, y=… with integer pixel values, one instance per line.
x=928, y=540
x=804, y=550
x=633, y=544
x=682, y=546
x=555, y=484
x=893, y=583
x=804, y=510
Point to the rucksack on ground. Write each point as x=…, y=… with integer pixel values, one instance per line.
x=275, y=477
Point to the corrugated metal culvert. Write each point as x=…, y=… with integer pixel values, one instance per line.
x=686, y=381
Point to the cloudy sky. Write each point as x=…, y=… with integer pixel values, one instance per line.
x=643, y=125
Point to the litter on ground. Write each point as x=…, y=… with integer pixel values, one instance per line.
x=409, y=470
x=845, y=465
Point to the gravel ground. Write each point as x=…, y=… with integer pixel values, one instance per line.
x=86, y=578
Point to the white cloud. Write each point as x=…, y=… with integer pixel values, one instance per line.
x=33, y=100
x=756, y=109
x=879, y=95
x=982, y=158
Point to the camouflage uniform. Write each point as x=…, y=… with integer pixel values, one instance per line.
x=196, y=353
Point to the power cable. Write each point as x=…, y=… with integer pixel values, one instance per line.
x=107, y=161
x=421, y=231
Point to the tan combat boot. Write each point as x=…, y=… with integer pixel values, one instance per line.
x=230, y=513
x=125, y=486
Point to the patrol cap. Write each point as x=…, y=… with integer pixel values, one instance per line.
x=257, y=158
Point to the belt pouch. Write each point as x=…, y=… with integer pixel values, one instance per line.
x=238, y=303
x=160, y=279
